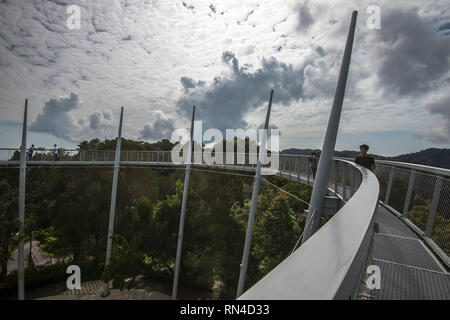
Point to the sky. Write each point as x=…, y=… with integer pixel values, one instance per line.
x=158, y=58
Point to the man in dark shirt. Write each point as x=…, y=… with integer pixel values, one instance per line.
x=364, y=159
x=313, y=163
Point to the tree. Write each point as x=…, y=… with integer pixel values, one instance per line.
x=9, y=224
x=276, y=232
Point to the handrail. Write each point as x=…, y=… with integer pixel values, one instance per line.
x=420, y=167
x=329, y=263
x=425, y=168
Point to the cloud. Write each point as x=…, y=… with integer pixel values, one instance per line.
x=435, y=133
x=224, y=103
x=98, y=119
x=305, y=19
x=412, y=55
x=56, y=119
x=161, y=128
x=189, y=83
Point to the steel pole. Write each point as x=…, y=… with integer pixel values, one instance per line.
x=23, y=169
x=251, y=217
x=324, y=166
x=112, y=209
x=183, y=211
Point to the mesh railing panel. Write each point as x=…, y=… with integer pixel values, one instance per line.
x=399, y=189
x=382, y=173
x=441, y=228
x=421, y=197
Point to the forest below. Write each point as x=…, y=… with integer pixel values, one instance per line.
x=67, y=210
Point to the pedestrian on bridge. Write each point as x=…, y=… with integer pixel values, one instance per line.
x=30, y=153
x=55, y=152
x=313, y=161
x=365, y=160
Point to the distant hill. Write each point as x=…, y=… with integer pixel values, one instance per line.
x=431, y=157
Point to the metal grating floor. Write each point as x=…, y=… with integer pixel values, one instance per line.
x=408, y=269
x=400, y=282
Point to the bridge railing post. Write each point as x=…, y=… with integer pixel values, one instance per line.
x=389, y=186
x=308, y=172
x=344, y=181
x=289, y=168
x=409, y=193
x=352, y=182
x=336, y=176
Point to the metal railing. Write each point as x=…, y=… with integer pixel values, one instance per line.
x=39, y=154
x=419, y=195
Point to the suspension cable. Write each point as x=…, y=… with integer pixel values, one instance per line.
x=227, y=173
x=306, y=226
x=273, y=185
x=126, y=183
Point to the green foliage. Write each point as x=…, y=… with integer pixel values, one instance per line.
x=68, y=212
x=419, y=216
x=126, y=144
x=126, y=262
x=276, y=233
x=9, y=224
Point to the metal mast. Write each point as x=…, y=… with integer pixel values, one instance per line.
x=324, y=167
x=251, y=217
x=112, y=210
x=183, y=211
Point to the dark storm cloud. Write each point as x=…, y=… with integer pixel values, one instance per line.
x=189, y=83
x=56, y=119
x=441, y=107
x=412, y=54
x=224, y=103
x=160, y=129
x=305, y=19
x=444, y=27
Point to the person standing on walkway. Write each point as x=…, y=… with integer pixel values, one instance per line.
x=30, y=153
x=55, y=152
x=313, y=161
x=365, y=160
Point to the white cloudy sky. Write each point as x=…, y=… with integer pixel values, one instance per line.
x=159, y=57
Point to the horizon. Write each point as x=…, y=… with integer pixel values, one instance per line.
x=72, y=145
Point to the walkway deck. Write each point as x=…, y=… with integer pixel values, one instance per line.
x=409, y=270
